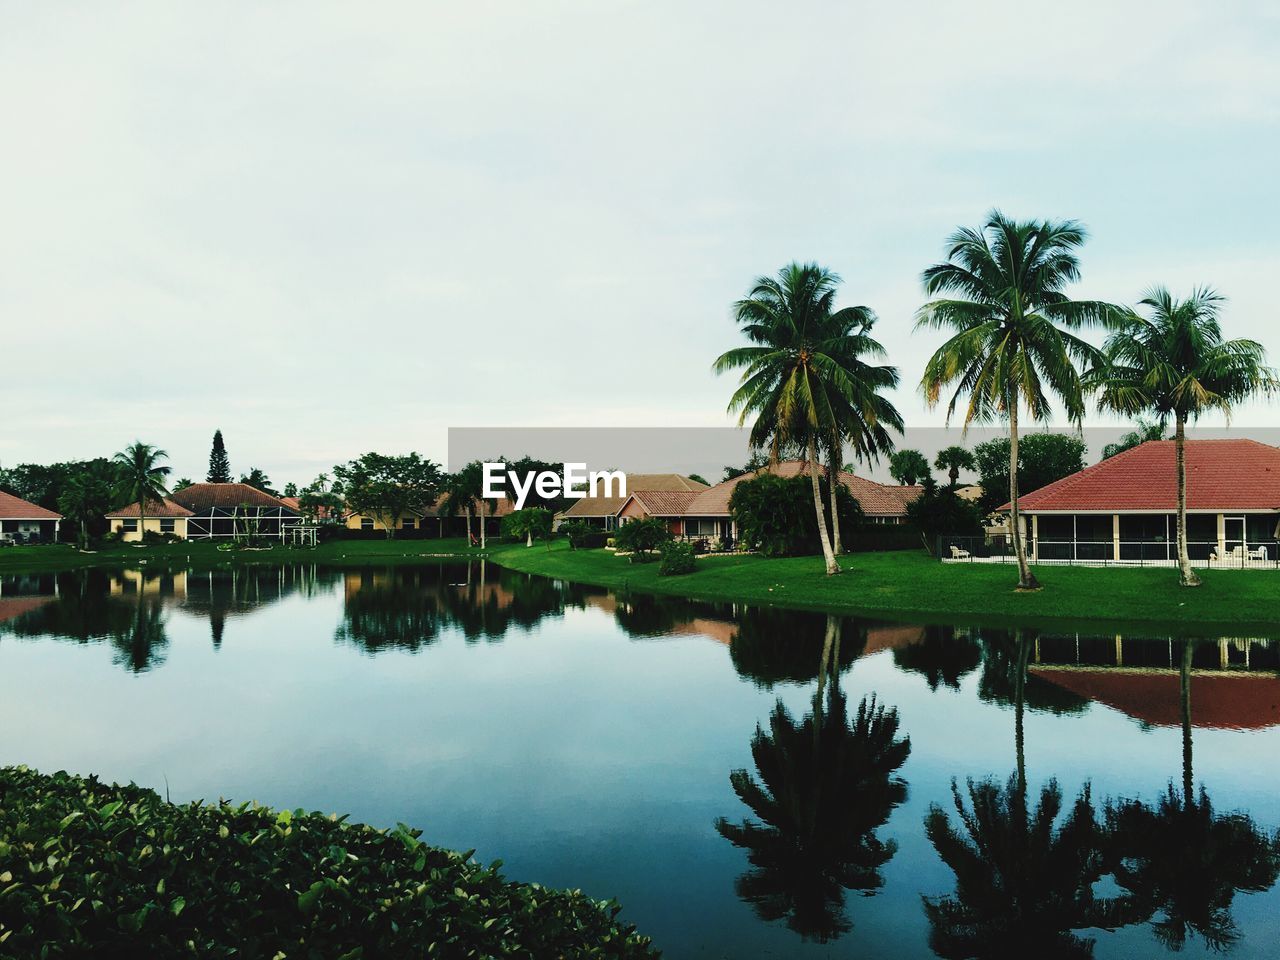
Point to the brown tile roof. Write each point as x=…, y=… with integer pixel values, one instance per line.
x=877, y=499
x=502, y=509
x=15, y=508
x=160, y=508
x=204, y=496
x=1221, y=475
x=636, y=483
x=665, y=503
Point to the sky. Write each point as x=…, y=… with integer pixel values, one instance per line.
x=334, y=228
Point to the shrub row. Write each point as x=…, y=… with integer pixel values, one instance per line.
x=91, y=869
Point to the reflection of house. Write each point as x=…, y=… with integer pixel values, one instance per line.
x=1124, y=508
x=162, y=517
x=1233, y=680
x=603, y=511
x=139, y=583
x=22, y=520
x=234, y=510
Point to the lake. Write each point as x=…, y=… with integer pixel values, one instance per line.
x=747, y=782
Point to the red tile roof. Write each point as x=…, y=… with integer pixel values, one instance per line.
x=1221, y=475
x=877, y=499
x=204, y=496
x=636, y=483
x=1236, y=701
x=160, y=508
x=15, y=508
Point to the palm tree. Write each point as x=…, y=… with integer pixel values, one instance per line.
x=1175, y=363
x=804, y=378
x=461, y=493
x=1013, y=331
x=84, y=500
x=141, y=477
x=954, y=459
x=1143, y=431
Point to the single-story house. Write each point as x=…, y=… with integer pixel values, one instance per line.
x=1125, y=508
x=234, y=509
x=163, y=517
x=433, y=522
x=23, y=520
x=603, y=511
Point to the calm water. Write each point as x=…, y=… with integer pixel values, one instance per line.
x=706, y=764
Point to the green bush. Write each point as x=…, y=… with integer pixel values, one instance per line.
x=775, y=514
x=677, y=558
x=582, y=535
x=90, y=869
x=640, y=537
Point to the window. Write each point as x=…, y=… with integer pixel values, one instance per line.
x=409, y=523
x=129, y=526
x=366, y=523
x=166, y=526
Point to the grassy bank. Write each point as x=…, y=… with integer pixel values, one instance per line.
x=907, y=584
x=105, y=870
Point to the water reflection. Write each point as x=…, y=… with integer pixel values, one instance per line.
x=826, y=785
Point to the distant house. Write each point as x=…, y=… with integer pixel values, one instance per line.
x=1125, y=508
x=163, y=517
x=234, y=509
x=604, y=511
x=431, y=521
x=21, y=520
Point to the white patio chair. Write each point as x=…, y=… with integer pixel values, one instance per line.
x=1258, y=553
x=959, y=554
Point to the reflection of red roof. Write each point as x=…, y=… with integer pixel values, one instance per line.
x=1221, y=474
x=15, y=508
x=11, y=607
x=891, y=637
x=1233, y=701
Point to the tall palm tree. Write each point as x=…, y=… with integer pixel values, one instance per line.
x=953, y=459
x=142, y=477
x=804, y=378
x=1176, y=363
x=1013, y=331
x=462, y=493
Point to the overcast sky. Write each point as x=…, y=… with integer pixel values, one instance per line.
x=330, y=228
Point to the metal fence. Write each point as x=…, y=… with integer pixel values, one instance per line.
x=1211, y=554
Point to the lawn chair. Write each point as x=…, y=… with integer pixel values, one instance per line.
x=958, y=553
x=1258, y=553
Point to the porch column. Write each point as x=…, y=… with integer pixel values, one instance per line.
x=1035, y=535
x=1222, y=535
x=1115, y=536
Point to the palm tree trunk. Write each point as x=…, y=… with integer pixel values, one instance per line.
x=1026, y=579
x=481, y=518
x=1188, y=648
x=814, y=468
x=833, y=479
x=1188, y=576
x=467, y=511
x=528, y=537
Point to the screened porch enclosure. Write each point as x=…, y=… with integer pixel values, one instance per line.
x=245, y=522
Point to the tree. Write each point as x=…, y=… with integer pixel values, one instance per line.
x=181, y=484
x=941, y=512
x=84, y=500
x=219, y=464
x=462, y=492
x=388, y=487
x=1175, y=363
x=641, y=537
x=699, y=479
x=1013, y=331
x=1145, y=430
x=529, y=523
x=804, y=380
x=141, y=477
x=319, y=501
x=953, y=459
x=756, y=462
x=258, y=479
x=1042, y=459
x=775, y=516
x=290, y=489
x=908, y=467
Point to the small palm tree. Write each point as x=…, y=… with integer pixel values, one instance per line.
x=1176, y=364
x=954, y=459
x=1013, y=331
x=84, y=500
x=804, y=378
x=141, y=477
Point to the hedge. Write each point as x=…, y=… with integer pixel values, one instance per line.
x=91, y=869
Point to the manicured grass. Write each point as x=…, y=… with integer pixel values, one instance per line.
x=909, y=584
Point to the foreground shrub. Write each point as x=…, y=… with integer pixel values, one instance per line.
x=640, y=537
x=90, y=869
x=583, y=536
x=775, y=514
x=677, y=558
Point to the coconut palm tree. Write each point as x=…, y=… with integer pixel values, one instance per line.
x=462, y=492
x=142, y=477
x=1176, y=364
x=953, y=459
x=805, y=380
x=1013, y=341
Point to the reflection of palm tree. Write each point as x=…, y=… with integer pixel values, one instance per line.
x=138, y=643
x=825, y=787
x=397, y=611
x=942, y=657
x=1023, y=882
x=1181, y=859
x=784, y=646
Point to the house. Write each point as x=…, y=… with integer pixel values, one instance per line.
x=163, y=517
x=603, y=511
x=24, y=521
x=1125, y=508
x=234, y=509
x=433, y=522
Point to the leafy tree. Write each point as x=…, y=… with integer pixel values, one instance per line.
x=908, y=467
x=462, y=494
x=388, y=487
x=84, y=500
x=756, y=462
x=141, y=477
x=944, y=656
x=290, y=489
x=1013, y=341
x=699, y=478
x=1176, y=364
x=805, y=380
x=1042, y=459
x=181, y=484
x=941, y=512
x=527, y=465
x=530, y=523
x=258, y=479
x=641, y=537
x=1144, y=431
x=953, y=459
x=775, y=514
x=219, y=464
x=43, y=484
x=320, y=501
